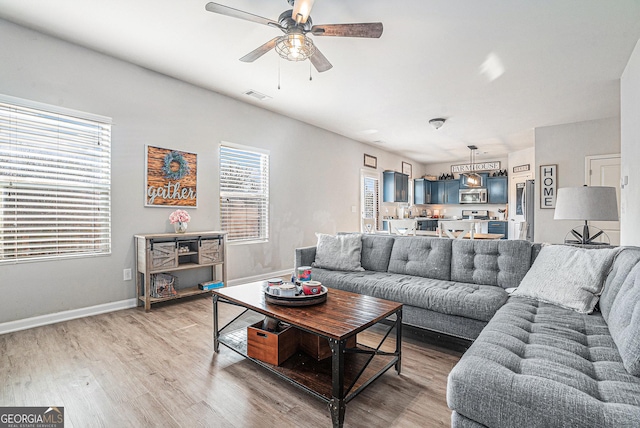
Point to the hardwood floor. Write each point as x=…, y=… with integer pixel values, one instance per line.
x=135, y=369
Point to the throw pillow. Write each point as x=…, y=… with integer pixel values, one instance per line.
x=566, y=276
x=341, y=252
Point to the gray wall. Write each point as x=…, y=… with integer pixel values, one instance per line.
x=630, y=135
x=314, y=173
x=566, y=146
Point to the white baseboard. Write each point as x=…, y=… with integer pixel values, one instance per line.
x=57, y=317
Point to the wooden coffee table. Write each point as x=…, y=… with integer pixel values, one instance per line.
x=335, y=380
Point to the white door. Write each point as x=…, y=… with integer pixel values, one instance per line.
x=516, y=209
x=604, y=170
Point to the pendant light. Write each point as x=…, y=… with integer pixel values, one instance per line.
x=473, y=178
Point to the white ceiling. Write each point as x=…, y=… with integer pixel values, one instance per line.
x=562, y=61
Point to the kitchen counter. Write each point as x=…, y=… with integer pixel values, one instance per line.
x=465, y=236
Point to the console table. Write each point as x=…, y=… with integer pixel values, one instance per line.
x=172, y=252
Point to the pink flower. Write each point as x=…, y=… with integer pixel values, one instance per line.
x=179, y=216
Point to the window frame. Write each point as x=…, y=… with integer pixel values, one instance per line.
x=71, y=193
x=265, y=220
x=364, y=175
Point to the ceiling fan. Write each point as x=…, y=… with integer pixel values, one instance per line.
x=295, y=45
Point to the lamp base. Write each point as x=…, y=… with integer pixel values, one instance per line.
x=586, y=235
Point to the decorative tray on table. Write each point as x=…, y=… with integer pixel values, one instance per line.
x=300, y=299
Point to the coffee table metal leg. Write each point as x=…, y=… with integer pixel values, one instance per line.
x=216, y=334
x=337, y=403
x=399, y=340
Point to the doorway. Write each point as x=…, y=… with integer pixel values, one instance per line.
x=604, y=170
x=369, y=200
x=516, y=207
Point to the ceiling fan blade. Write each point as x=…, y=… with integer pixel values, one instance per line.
x=235, y=13
x=257, y=53
x=370, y=30
x=301, y=10
x=320, y=62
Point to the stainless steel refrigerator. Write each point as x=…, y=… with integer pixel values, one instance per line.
x=529, y=206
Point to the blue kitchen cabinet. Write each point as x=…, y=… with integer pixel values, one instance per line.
x=497, y=190
x=421, y=191
x=395, y=187
x=499, y=227
x=452, y=194
x=445, y=192
x=437, y=192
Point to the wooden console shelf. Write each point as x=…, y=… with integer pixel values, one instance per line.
x=174, y=252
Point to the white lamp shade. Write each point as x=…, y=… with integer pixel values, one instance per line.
x=586, y=203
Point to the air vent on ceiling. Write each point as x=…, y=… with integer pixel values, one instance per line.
x=257, y=95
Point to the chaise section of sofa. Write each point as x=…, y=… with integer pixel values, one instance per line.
x=448, y=286
x=541, y=365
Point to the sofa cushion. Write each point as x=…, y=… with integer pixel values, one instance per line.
x=625, y=260
x=421, y=256
x=568, y=276
x=490, y=262
x=479, y=302
x=340, y=252
x=540, y=365
x=624, y=321
x=376, y=250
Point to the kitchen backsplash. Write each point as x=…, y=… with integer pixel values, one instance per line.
x=448, y=211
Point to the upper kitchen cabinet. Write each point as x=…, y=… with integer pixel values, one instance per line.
x=421, y=191
x=445, y=191
x=395, y=187
x=497, y=190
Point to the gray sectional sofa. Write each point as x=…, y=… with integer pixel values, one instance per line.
x=532, y=363
x=447, y=286
x=541, y=365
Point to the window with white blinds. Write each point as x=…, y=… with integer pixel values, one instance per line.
x=244, y=193
x=55, y=182
x=370, y=197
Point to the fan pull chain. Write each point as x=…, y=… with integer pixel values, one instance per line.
x=279, y=60
x=310, y=78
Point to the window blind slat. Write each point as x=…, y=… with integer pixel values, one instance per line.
x=55, y=183
x=244, y=193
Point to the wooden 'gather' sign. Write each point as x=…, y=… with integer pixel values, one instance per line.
x=172, y=178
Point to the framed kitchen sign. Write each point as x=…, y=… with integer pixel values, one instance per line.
x=370, y=161
x=548, y=186
x=470, y=167
x=171, y=178
x=406, y=169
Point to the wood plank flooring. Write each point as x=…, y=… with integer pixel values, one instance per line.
x=158, y=369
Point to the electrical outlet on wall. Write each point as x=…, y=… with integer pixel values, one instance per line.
x=126, y=274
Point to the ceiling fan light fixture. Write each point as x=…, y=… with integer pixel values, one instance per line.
x=295, y=47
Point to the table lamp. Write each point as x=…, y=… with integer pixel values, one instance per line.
x=587, y=204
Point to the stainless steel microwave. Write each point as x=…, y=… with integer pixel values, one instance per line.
x=473, y=196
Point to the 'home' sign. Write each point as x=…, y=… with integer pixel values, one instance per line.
x=548, y=181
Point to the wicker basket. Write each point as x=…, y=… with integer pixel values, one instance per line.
x=163, y=285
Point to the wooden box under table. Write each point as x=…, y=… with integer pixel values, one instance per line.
x=318, y=347
x=271, y=347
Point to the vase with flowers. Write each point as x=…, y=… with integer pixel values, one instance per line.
x=179, y=219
